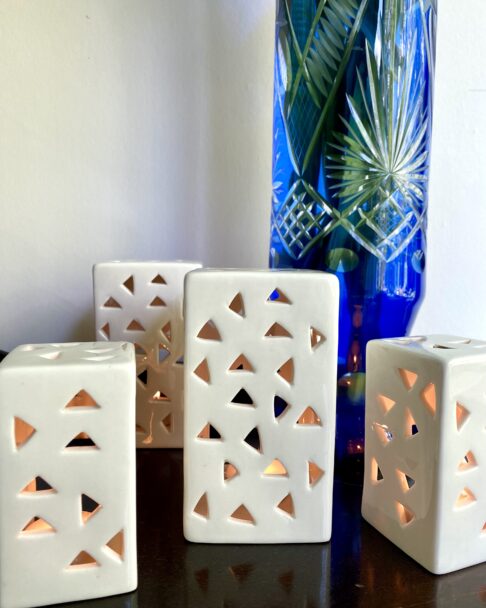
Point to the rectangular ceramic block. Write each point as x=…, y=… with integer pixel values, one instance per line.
x=260, y=379
x=67, y=473
x=425, y=465
x=141, y=302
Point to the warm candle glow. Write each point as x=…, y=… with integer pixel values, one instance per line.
x=275, y=468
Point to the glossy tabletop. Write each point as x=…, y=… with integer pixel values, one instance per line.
x=357, y=568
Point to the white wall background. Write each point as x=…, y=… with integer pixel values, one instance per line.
x=142, y=129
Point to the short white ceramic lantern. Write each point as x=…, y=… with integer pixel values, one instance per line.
x=67, y=473
x=260, y=378
x=142, y=302
x=425, y=465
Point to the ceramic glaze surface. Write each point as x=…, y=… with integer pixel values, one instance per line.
x=67, y=473
x=425, y=465
x=261, y=349
x=141, y=302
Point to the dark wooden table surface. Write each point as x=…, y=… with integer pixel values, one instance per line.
x=357, y=568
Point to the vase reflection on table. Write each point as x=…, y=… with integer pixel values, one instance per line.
x=352, y=126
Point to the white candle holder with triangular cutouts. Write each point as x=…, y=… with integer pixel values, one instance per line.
x=260, y=390
x=67, y=473
x=425, y=456
x=141, y=302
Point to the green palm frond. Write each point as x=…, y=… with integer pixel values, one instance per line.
x=384, y=152
x=312, y=72
x=329, y=43
x=329, y=54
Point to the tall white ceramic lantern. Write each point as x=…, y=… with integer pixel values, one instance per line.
x=425, y=465
x=260, y=377
x=67, y=473
x=141, y=302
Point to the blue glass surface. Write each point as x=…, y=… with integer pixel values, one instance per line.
x=352, y=124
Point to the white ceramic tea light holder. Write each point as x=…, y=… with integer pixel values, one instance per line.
x=141, y=302
x=425, y=448
x=67, y=473
x=260, y=382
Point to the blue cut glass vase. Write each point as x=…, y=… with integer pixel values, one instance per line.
x=352, y=127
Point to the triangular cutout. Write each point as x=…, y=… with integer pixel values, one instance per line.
x=167, y=423
x=159, y=396
x=229, y=471
x=286, y=371
x=89, y=507
x=38, y=486
x=83, y=560
x=81, y=441
x=468, y=462
x=37, y=525
x=253, y=440
x=316, y=338
x=111, y=303
x=237, y=305
x=148, y=439
x=241, y=572
x=164, y=352
x=287, y=505
x=167, y=331
x=386, y=403
x=129, y=284
x=276, y=469
x=143, y=377
x=82, y=399
x=408, y=378
x=278, y=296
x=465, y=498
x=384, y=433
x=105, y=330
x=158, y=280
x=202, y=507
x=309, y=417
x=411, y=428
x=241, y=364
x=209, y=331
x=405, y=480
x=180, y=361
x=280, y=407
x=139, y=350
x=117, y=544
x=135, y=325
x=157, y=302
x=242, y=515
x=202, y=371
x=209, y=432
x=405, y=515
x=376, y=474
x=23, y=431
x=462, y=414
x=314, y=472
x=242, y=398
x=429, y=398
x=277, y=331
